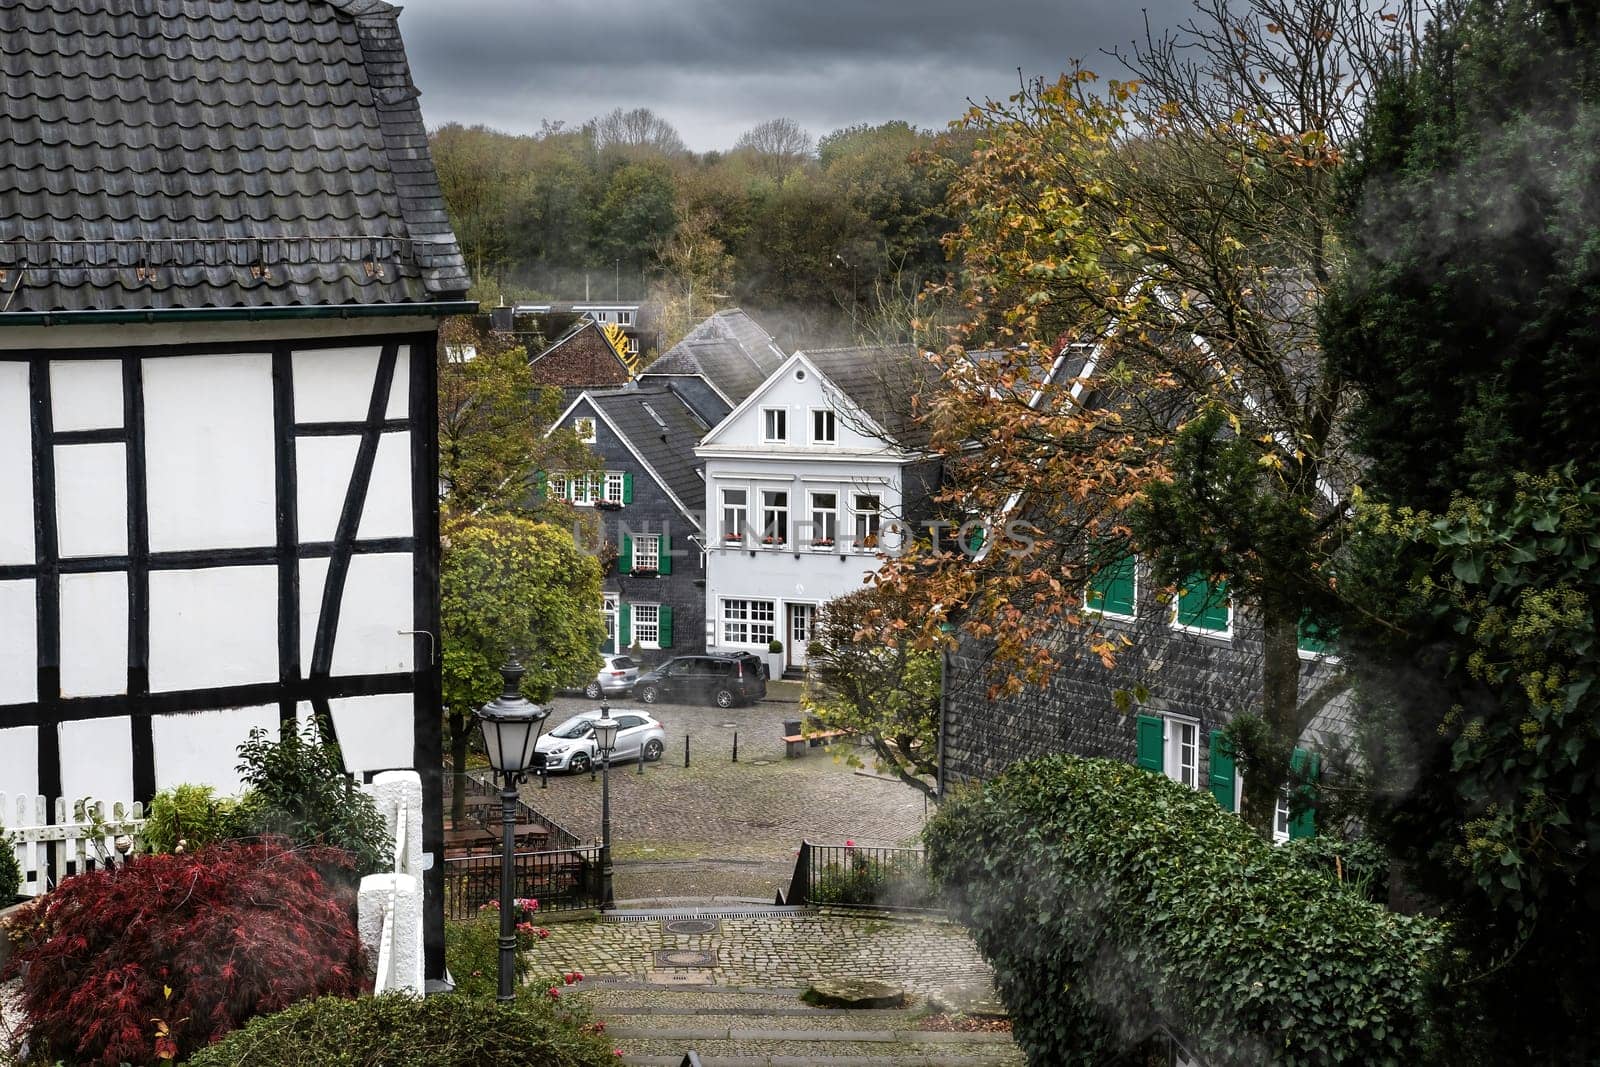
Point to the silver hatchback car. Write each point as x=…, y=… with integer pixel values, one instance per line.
x=616, y=677
x=570, y=746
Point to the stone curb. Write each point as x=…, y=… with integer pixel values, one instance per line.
x=899, y=1037
x=647, y=1060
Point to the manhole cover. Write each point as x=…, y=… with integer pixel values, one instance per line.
x=730, y=725
x=690, y=926
x=759, y=762
x=677, y=957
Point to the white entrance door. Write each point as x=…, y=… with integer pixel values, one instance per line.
x=800, y=617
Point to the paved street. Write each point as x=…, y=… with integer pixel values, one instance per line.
x=720, y=828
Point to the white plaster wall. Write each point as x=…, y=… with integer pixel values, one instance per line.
x=19, y=660
x=388, y=506
x=375, y=732
x=323, y=466
x=97, y=759
x=91, y=499
x=209, y=451
x=798, y=397
x=334, y=384
x=202, y=747
x=400, y=390
x=213, y=627
x=377, y=604
x=86, y=394
x=94, y=634
x=16, y=466
x=19, y=766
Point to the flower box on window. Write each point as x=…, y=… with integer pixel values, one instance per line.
x=822, y=542
x=771, y=540
x=733, y=538
x=869, y=541
x=608, y=505
x=645, y=572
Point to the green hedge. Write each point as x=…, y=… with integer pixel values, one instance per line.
x=396, y=1030
x=1111, y=901
x=10, y=872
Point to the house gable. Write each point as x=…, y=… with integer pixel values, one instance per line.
x=799, y=389
x=583, y=357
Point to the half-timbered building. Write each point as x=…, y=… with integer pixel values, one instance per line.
x=223, y=257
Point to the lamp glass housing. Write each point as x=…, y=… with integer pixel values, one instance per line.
x=605, y=733
x=511, y=726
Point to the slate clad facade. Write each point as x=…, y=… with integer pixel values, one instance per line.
x=582, y=358
x=655, y=590
x=223, y=258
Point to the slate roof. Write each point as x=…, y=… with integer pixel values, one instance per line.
x=729, y=349
x=668, y=444
x=214, y=153
x=891, y=384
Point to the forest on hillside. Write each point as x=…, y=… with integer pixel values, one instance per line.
x=825, y=241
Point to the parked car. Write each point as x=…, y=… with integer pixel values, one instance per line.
x=571, y=747
x=616, y=677
x=740, y=678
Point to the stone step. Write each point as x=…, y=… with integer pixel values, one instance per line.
x=667, y=1050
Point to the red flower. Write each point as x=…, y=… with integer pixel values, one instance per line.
x=555, y=994
x=849, y=843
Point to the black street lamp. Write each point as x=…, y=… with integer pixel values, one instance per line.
x=511, y=728
x=605, y=741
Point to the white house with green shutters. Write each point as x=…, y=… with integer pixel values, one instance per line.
x=649, y=497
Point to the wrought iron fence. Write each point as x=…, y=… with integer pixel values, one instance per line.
x=565, y=879
x=489, y=815
x=855, y=876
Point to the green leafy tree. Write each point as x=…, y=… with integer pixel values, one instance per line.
x=492, y=427
x=866, y=675
x=510, y=586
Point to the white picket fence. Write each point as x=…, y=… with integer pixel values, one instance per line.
x=82, y=836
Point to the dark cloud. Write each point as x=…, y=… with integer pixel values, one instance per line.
x=714, y=68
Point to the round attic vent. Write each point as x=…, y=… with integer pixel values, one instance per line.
x=800, y=374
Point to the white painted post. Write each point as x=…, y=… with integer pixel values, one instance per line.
x=389, y=906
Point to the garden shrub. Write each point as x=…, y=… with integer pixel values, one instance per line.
x=1360, y=866
x=472, y=948
x=396, y=1030
x=1112, y=901
x=193, y=814
x=869, y=882
x=10, y=871
x=157, y=959
x=298, y=789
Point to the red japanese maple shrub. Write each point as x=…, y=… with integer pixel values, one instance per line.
x=147, y=964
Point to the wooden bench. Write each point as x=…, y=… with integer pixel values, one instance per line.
x=796, y=744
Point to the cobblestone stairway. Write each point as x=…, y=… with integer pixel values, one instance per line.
x=744, y=1026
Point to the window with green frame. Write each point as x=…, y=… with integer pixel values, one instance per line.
x=1202, y=606
x=1113, y=588
x=1314, y=639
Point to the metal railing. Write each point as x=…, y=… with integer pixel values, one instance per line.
x=862, y=877
x=489, y=816
x=565, y=879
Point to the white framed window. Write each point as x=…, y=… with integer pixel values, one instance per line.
x=586, y=489
x=774, y=516
x=749, y=622
x=1280, y=820
x=584, y=428
x=824, y=426
x=559, y=489
x=1181, y=746
x=646, y=552
x=1202, y=608
x=624, y=318
x=614, y=487
x=824, y=518
x=647, y=623
x=868, y=511
x=735, y=514
x=774, y=425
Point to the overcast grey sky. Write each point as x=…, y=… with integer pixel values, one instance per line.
x=714, y=68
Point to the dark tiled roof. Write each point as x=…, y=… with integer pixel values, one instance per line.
x=892, y=384
x=729, y=350
x=195, y=153
x=667, y=444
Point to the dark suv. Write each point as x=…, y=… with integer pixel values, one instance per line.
x=720, y=680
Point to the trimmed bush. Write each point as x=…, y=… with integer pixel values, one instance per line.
x=155, y=960
x=864, y=881
x=1112, y=901
x=472, y=948
x=396, y=1030
x=298, y=789
x=10, y=872
x=193, y=814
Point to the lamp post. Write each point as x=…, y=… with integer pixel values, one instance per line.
x=511, y=728
x=605, y=741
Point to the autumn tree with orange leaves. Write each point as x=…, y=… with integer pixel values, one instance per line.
x=1142, y=262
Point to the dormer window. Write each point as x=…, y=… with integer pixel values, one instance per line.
x=774, y=425
x=824, y=426
x=584, y=428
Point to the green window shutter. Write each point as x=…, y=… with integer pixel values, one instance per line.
x=1221, y=773
x=975, y=540
x=664, y=613
x=1305, y=823
x=1111, y=589
x=625, y=556
x=664, y=549
x=627, y=487
x=1152, y=732
x=624, y=626
x=541, y=485
x=1202, y=606
x=1313, y=638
